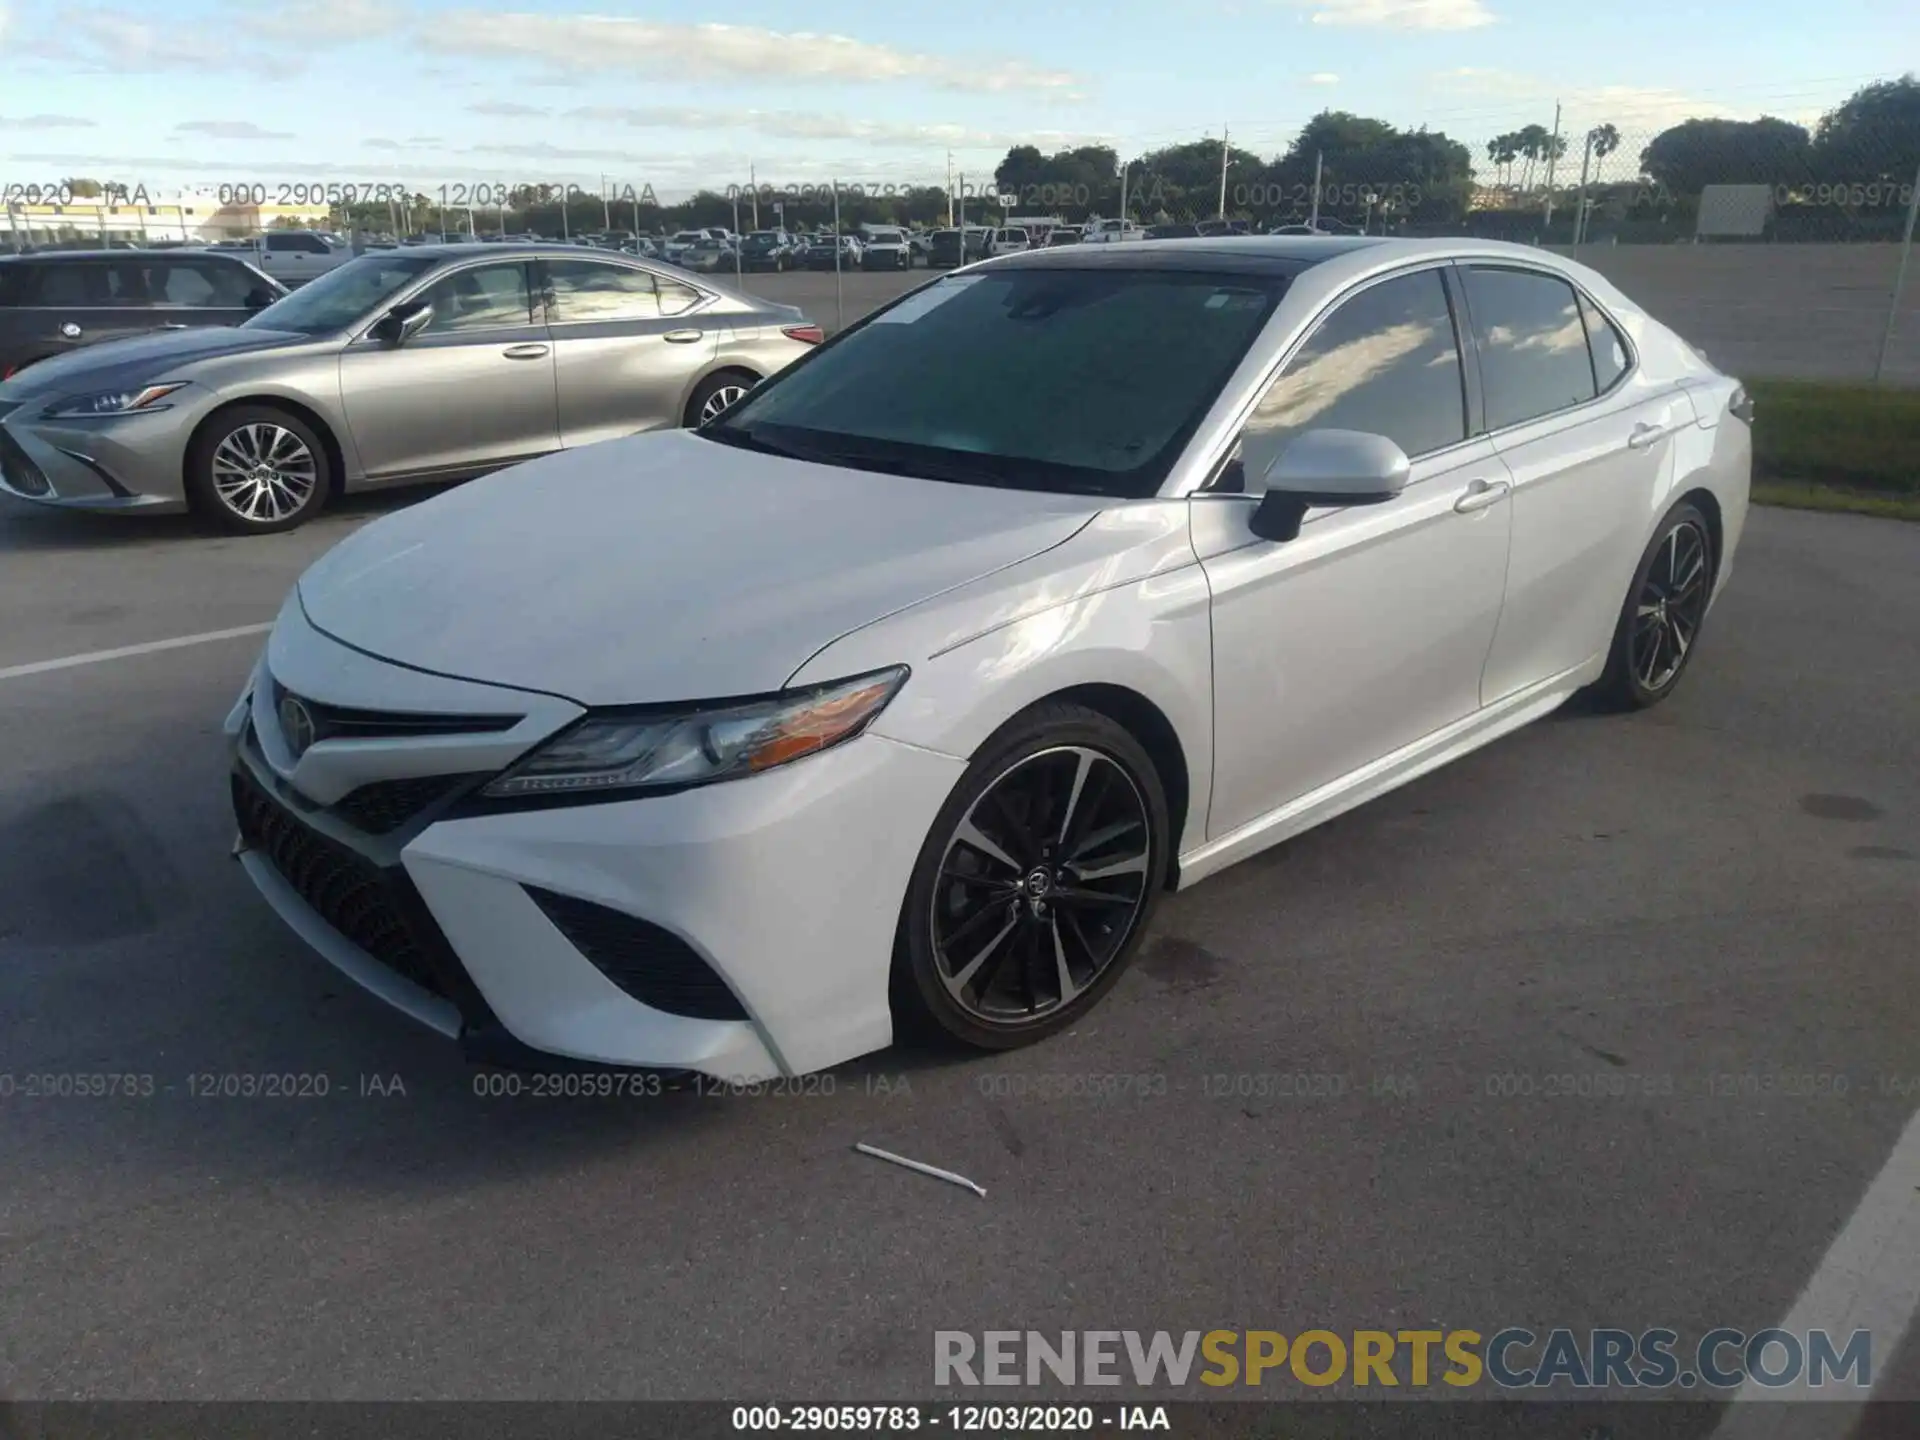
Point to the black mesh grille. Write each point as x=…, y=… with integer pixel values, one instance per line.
x=339, y=722
x=654, y=966
x=386, y=805
x=18, y=470
x=368, y=906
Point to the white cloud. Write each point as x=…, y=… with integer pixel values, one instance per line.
x=509, y=108
x=1398, y=14
x=46, y=122
x=6, y=18
x=1639, y=112
x=321, y=22
x=1324, y=77
x=586, y=43
x=803, y=125
x=230, y=130
x=122, y=43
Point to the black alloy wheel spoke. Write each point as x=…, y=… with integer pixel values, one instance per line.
x=1043, y=880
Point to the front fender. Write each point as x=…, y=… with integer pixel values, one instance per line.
x=1124, y=604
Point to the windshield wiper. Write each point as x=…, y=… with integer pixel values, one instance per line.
x=914, y=468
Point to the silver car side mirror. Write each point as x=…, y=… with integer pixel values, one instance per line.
x=1328, y=468
x=403, y=322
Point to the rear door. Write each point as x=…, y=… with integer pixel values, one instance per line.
x=470, y=393
x=66, y=305
x=628, y=344
x=1587, y=442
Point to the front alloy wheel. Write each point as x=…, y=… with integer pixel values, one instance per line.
x=1036, y=882
x=258, y=469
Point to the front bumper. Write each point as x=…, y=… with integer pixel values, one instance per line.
x=784, y=889
x=124, y=462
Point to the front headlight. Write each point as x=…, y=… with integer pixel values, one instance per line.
x=696, y=745
x=114, y=402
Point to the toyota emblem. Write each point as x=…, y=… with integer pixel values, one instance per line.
x=296, y=724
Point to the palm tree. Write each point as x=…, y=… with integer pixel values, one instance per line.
x=1503, y=150
x=1533, y=141
x=1605, y=140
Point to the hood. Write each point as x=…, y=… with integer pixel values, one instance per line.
x=663, y=567
x=137, y=359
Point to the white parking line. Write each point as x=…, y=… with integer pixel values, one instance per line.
x=1869, y=1280
x=94, y=657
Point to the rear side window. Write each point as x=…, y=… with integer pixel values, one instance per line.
x=580, y=291
x=13, y=284
x=200, y=284
x=297, y=244
x=1386, y=362
x=63, y=286
x=1533, y=344
x=1608, y=346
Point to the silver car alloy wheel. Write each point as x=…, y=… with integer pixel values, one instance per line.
x=1041, y=885
x=720, y=400
x=264, y=472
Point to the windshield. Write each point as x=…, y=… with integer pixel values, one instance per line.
x=1089, y=381
x=340, y=297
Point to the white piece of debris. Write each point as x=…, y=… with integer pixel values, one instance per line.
x=924, y=1169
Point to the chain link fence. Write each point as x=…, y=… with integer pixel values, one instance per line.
x=1777, y=251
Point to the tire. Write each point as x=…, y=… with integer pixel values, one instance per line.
x=715, y=393
x=949, y=982
x=288, y=482
x=1658, y=629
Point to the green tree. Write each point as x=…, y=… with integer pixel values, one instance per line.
x=1687, y=157
x=1873, y=135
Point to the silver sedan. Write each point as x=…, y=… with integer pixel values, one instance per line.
x=432, y=363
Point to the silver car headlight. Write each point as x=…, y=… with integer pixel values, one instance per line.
x=697, y=745
x=113, y=402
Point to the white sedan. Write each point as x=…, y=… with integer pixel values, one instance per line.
x=893, y=697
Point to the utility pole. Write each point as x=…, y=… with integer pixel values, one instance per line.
x=1553, y=155
x=949, y=189
x=1580, y=207
x=1125, y=170
x=753, y=184
x=1899, y=281
x=1223, y=172
x=1313, y=216
x=839, y=249
x=606, y=206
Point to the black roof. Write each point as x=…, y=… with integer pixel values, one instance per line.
x=1246, y=254
x=128, y=253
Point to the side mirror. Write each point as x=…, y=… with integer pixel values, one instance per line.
x=1328, y=468
x=403, y=322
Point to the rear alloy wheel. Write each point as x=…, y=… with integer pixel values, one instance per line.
x=1036, y=882
x=716, y=393
x=258, y=469
x=1660, y=623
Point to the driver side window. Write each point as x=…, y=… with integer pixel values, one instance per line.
x=1386, y=361
x=486, y=297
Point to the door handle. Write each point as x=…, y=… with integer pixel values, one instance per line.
x=1644, y=435
x=173, y=325
x=1482, y=493
x=524, y=352
x=70, y=330
x=683, y=337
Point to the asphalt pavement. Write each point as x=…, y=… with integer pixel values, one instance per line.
x=1704, y=911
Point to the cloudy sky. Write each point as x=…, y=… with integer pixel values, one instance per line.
x=654, y=92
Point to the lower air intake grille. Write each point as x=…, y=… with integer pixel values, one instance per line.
x=18, y=470
x=386, y=805
x=351, y=895
x=654, y=966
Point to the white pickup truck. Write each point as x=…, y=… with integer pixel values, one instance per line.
x=294, y=257
x=1109, y=232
